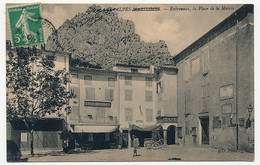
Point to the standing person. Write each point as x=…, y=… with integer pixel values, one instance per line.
x=135, y=145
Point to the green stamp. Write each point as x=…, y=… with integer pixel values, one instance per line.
x=26, y=25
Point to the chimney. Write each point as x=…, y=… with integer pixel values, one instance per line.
x=151, y=68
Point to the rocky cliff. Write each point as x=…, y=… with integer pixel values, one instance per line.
x=99, y=37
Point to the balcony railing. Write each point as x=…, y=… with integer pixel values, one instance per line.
x=98, y=120
x=167, y=119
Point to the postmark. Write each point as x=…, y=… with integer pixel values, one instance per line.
x=25, y=25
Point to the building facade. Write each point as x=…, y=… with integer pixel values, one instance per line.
x=167, y=102
x=94, y=113
x=215, y=85
x=111, y=102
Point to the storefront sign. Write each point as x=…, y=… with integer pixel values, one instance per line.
x=97, y=104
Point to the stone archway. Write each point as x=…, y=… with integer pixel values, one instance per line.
x=169, y=133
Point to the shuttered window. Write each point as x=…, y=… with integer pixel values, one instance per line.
x=205, y=61
x=75, y=92
x=148, y=81
x=148, y=96
x=87, y=80
x=128, y=80
x=128, y=95
x=149, y=115
x=128, y=114
x=74, y=78
x=111, y=82
x=187, y=103
x=90, y=93
x=187, y=71
x=109, y=94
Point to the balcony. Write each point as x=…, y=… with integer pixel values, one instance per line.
x=166, y=119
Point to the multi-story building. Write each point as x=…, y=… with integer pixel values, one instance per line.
x=105, y=100
x=167, y=102
x=215, y=85
x=94, y=114
x=137, y=100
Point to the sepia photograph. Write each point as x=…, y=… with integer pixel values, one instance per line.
x=129, y=82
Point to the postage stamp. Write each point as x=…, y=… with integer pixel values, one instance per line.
x=26, y=25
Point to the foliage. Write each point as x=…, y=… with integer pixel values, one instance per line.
x=34, y=88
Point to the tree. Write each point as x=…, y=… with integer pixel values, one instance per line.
x=34, y=88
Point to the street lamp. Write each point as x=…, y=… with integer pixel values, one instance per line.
x=250, y=110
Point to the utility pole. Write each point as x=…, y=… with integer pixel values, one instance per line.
x=236, y=53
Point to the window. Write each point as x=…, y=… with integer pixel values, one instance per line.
x=187, y=102
x=90, y=93
x=195, y=66
x=227, y=116
x=159, y=112
x=205, y=61
x=226, y=92
x=227, y=108
x=107, y=136
x=128, y=95
x=149, y=81
x=206, y=97
x=87, y=80
x=128, y=80
x=90, y=137
x=109, y=94
x=75, y=92
x=100, y=114
x=193, y=131
x=111, y=82
x=149, y=115
x=128, y=114
x=205, y=103
x=216, y=123
x=148, y=95
x=179, y=132
x=134, y=70
x=74, y=115
x=186, y=75
x=74, y=78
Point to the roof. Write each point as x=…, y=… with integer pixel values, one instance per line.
x=136, y=66
x=82, y=69
x=167, y=68
x=226, y=24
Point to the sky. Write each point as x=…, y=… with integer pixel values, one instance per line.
x=177, y=28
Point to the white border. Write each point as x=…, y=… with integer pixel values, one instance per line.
x=3, y=70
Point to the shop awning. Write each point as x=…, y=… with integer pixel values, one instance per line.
x=95, y=129
x=143, y=127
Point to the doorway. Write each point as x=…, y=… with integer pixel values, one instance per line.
x=171, y=135
x=204, y=121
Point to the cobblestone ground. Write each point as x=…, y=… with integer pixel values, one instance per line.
x=167, y=153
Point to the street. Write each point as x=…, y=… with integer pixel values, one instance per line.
x=167, y=153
